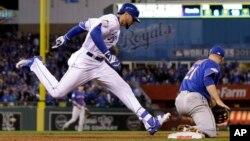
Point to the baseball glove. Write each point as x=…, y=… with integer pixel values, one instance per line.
x=87, y=112
x=221, y=114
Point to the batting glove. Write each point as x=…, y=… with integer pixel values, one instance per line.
x=60, y=41
x=113, y=61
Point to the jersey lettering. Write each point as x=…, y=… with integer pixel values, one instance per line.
x=191, y=72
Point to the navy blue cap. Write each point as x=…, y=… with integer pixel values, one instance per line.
x=217, y=49
x=131, y=9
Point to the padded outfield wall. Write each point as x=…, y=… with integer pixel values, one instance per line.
x=100, y=119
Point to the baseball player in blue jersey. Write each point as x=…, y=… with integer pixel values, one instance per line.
x=88, y=63
x=198, y=89
x=79, y=108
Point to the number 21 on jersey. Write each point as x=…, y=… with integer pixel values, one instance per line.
x=191, y=72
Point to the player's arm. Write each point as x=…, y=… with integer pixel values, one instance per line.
x=73, y=96
x=97, y=36
x=74, y=31
x=100, y=28
x=209, y=81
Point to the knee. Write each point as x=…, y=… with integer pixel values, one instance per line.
x=57, y=94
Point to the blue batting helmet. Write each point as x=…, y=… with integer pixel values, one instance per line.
x=217, y=49
x=131, y=9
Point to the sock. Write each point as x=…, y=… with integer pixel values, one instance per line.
x=146, y=118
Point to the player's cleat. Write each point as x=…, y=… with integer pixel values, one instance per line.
x=188, y=128
x=157, y=123
x=64, y=127
x=27, y=62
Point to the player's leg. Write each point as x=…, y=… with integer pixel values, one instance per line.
x=204, y=120
x=181, y=104
x=114, y=83
x=74, y=116
x=56, y=89
x=81, y=119
x=201, y=114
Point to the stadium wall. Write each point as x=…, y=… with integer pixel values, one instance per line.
x=61, y=11
x=235, y=95
x=23, y=118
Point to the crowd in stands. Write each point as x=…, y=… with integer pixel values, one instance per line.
x=19, y=87
x=164, y=73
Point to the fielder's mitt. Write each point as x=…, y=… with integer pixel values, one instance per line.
x=221, y=114
x=87, y=112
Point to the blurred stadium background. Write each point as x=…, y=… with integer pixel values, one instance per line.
x=155, y=55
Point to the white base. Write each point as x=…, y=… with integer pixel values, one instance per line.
x=186, y=135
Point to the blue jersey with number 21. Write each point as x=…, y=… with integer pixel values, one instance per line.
x=194, y=79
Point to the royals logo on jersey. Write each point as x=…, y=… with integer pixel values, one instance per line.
x=112, y=39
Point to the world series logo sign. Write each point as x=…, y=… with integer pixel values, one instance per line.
x=10, y=121
x=239, y=132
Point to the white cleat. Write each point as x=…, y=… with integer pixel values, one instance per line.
x=158, y=121
x=27, y=62
x=163, y=118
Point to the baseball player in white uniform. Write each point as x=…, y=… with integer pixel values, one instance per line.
x=79, y=108
x=88, y=63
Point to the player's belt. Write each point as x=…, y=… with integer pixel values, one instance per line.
x=95, y=57
x=183, y=92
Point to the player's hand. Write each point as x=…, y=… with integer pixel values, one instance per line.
x=113, y=61
x=79, y=107
x=221, y=104
x=87, y=111
x=212, y=102
x=59, y=42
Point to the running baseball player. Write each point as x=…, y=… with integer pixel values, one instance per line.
x=79, y=108
x=197, y=89
x=88, y=63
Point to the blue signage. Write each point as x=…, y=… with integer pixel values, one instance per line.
x=184, y=39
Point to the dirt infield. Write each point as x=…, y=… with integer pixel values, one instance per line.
x=87, y=136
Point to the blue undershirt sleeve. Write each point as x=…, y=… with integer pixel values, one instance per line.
x=96, y=35
x=76, y=30
x=209, y=80
x=210, y=76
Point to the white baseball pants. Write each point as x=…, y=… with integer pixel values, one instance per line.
x=82, y=69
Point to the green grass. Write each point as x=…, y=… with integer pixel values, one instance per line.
x=94, y=136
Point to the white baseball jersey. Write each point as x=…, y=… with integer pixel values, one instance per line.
x=110, y=30
x=83, y=68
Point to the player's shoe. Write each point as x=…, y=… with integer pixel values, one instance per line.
x=64, y=127
x=27, y=62
x=157, y=122
x=188, y=128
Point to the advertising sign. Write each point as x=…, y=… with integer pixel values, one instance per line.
x=97, y=121
x=10, y=121
x=234, y=92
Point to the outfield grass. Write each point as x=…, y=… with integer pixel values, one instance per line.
x=94, y=136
